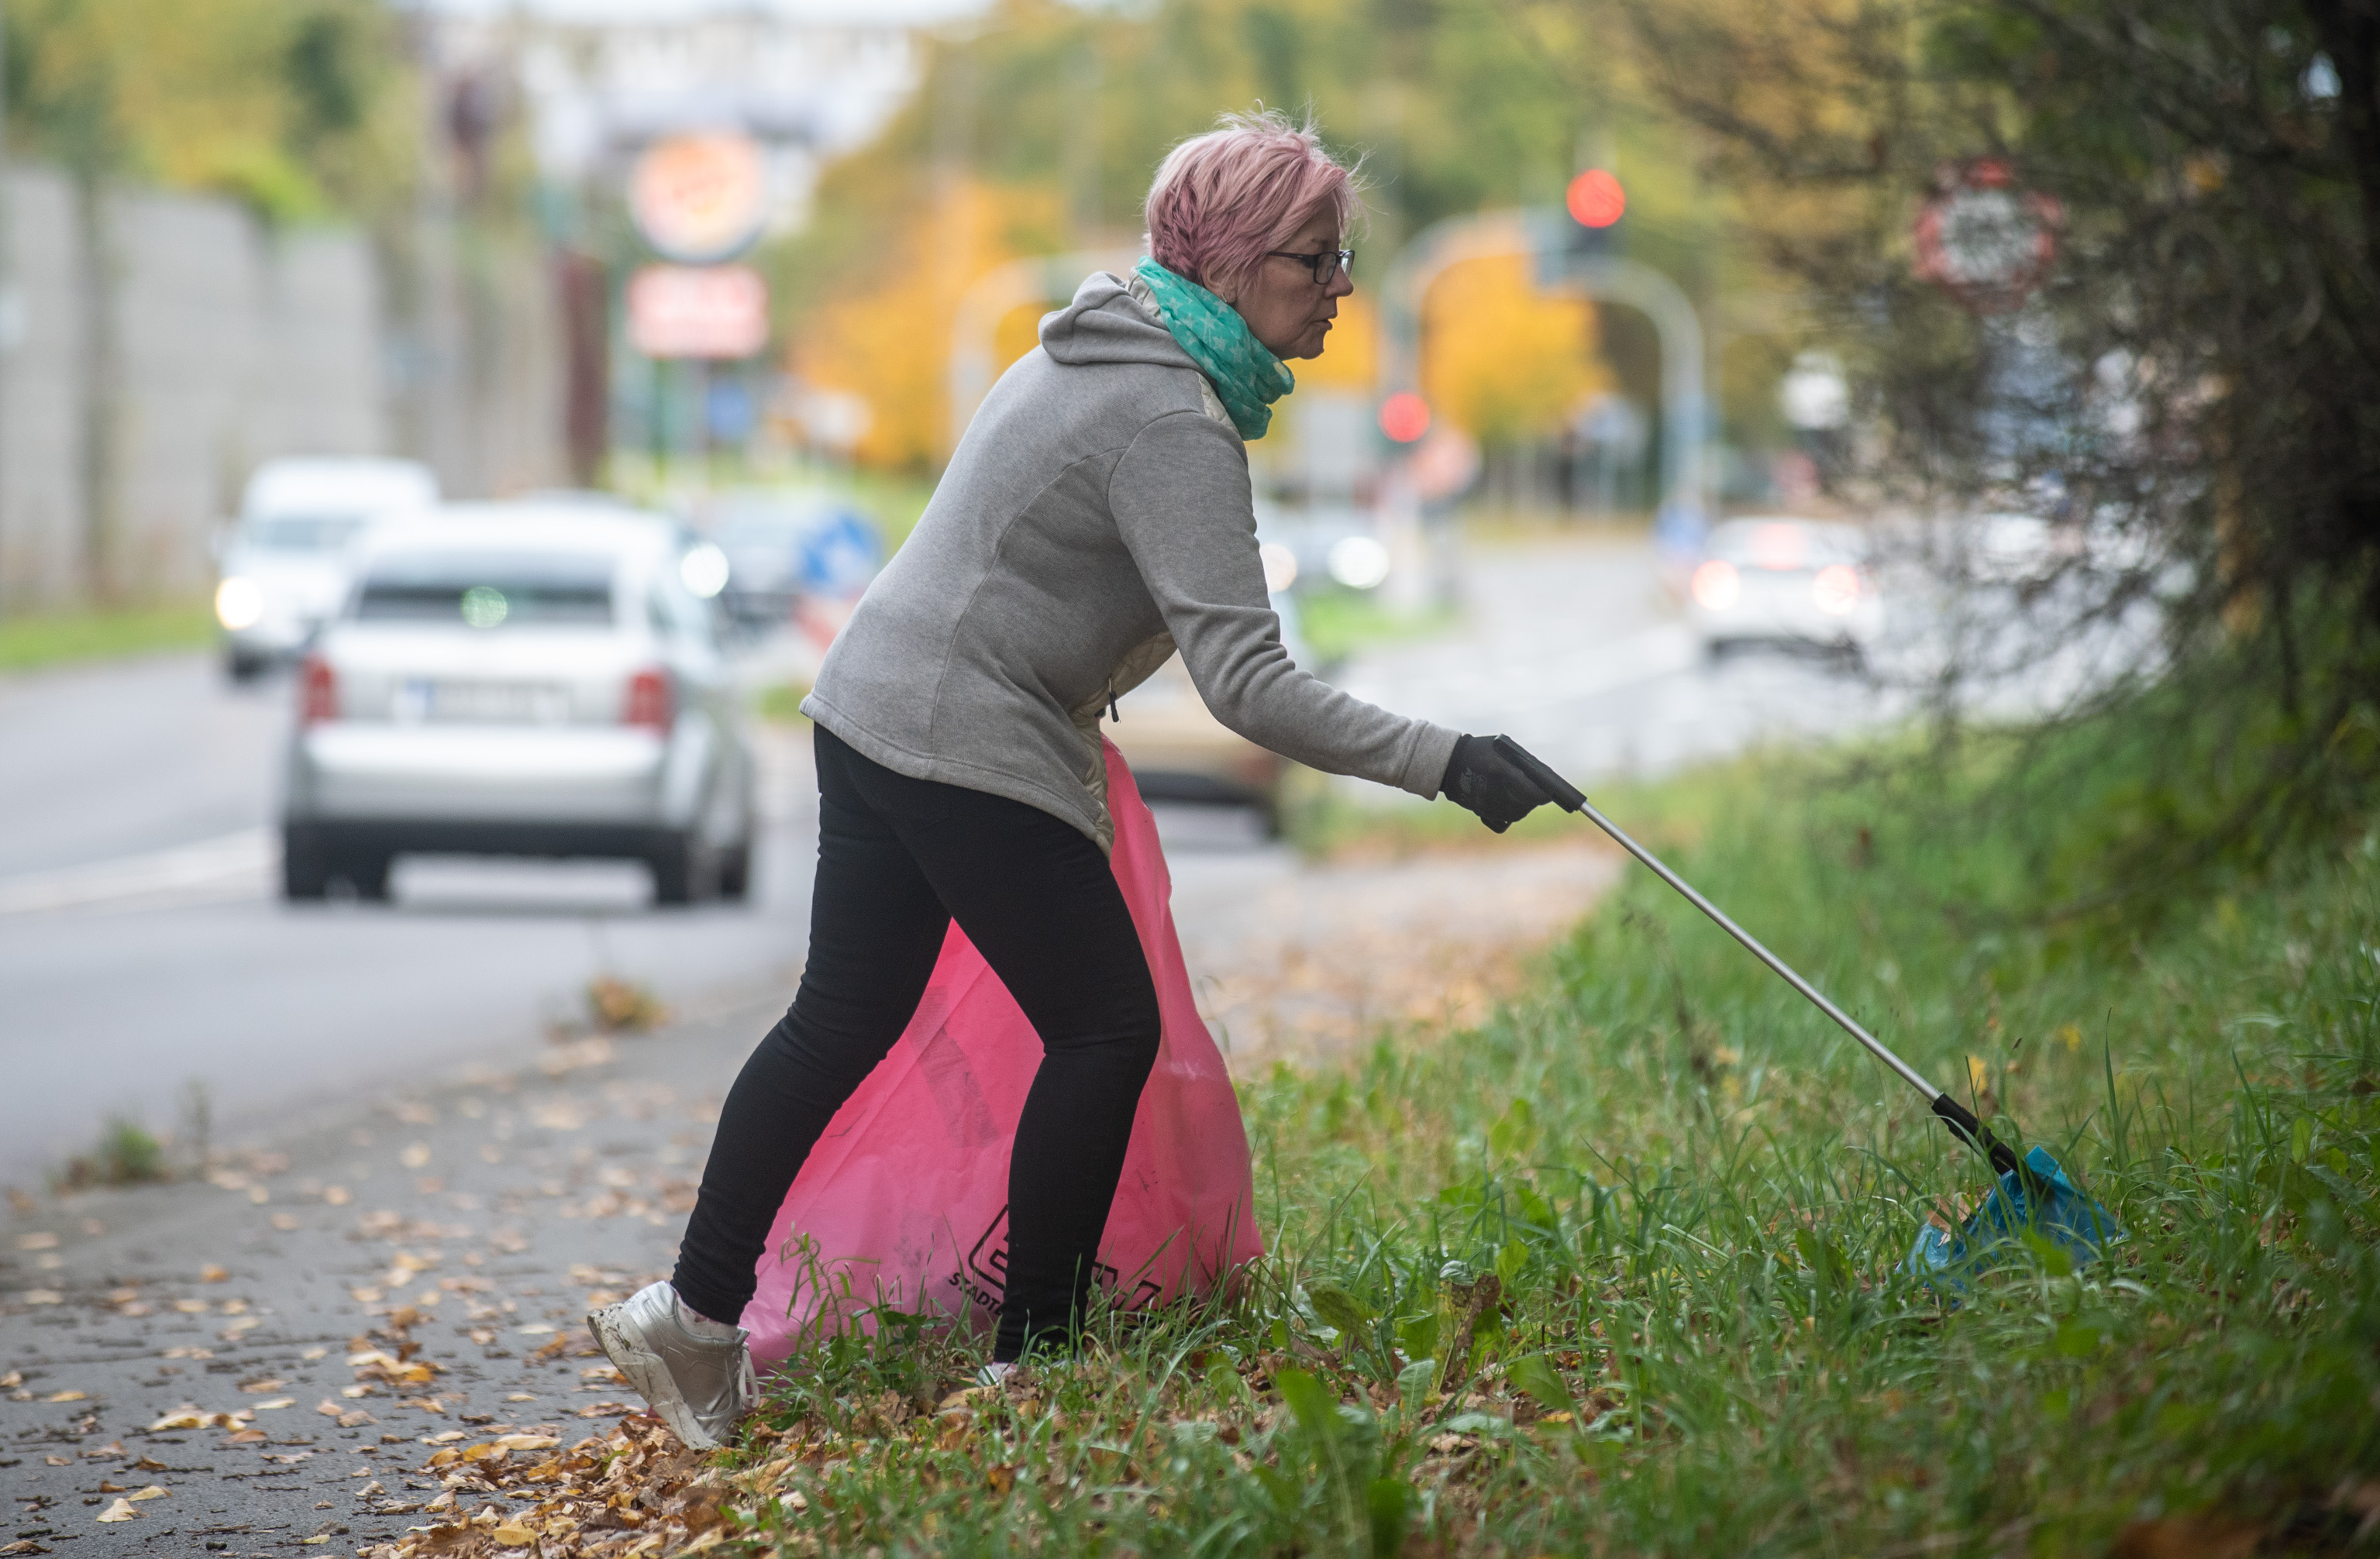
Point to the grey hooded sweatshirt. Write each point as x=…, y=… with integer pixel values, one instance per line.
x=1095, y=517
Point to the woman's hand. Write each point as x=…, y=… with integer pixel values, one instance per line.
x=1478, y=777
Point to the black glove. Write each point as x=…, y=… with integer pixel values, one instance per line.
x=1478, y=777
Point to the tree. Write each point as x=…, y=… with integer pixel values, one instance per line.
x=2193, y=393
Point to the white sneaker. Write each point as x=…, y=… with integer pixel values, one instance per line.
x=698, y=1385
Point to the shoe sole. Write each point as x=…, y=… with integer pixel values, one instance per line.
x=649, y=1378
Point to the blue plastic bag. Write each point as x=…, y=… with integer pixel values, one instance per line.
x=2066, y=1218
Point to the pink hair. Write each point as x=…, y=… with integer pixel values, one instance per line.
x=1222, y=198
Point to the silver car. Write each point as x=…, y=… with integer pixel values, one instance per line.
x=521, y=679
x=284, y=564
x=1785, y=580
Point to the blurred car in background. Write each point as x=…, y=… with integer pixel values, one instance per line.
x=282, y=569
x=1327, y=544
x=1784, y=582
x=794, y=557
x=1180, y=752
x=522, y=679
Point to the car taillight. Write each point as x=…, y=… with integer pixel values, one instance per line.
x=318, y=691
x=1837, y=589
x=1717, y=585
x=649, y=701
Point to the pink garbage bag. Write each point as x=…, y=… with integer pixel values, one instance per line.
x=903, y=1202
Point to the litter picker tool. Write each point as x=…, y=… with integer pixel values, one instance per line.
x=2035, y=1190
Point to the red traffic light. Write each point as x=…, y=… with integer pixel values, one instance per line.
x=1404, y=417
x=1595, y=197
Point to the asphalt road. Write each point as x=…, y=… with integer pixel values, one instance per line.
x=142, y=949
x=142, y=952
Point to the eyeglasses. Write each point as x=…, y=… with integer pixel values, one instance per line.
x=1326, y=264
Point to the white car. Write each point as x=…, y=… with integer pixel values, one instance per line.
x=1784, y=581
x=282, y=569
x=521, y=679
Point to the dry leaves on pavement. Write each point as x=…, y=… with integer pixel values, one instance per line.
x=632, y=1492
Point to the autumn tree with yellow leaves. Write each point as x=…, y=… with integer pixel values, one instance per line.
x=1052, y=119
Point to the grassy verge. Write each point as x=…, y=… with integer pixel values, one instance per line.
x=31, y=642
x=1620, y=1270
x=1339, y=622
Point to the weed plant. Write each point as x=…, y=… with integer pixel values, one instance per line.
x=1622, y=1270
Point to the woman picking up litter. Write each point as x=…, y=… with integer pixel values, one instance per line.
x=1095, y=520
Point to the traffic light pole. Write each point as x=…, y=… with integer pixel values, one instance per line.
x=1605, y=279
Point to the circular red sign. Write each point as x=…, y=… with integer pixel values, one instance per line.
x=1983, y=239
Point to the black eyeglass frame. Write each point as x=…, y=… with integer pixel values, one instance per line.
x=1344, y=260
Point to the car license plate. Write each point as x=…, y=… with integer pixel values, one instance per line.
x=482, y=703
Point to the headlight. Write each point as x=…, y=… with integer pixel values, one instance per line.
x=1358, y=562
x=239, y=603
x=1717, y=585
x=1837, y=589
x=703, y=570
x=1280, y=567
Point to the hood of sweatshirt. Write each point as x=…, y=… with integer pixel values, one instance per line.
x=1108, y=322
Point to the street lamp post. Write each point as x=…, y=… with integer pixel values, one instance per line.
x=974, y=362
x=1606, y=279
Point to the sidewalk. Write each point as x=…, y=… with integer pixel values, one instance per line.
x=280, y=1348
x=476, y=1220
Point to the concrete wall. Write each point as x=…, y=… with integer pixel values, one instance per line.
x=161, y=350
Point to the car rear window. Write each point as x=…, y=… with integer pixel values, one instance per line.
x=489, y=589
x=301, y=533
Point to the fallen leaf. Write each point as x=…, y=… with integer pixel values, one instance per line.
x=536, y=1329
x=121, y=1511
x=276, y=1403
x=248, y=1437
x=525, y=1442
x=107, y=1488
x=364, y=1296
x=443, y=1437
x=191, y=1307
x=187, y=1415
x=337, y=1196
x=44, y=1296
x=153, y=1491
x=365, y=1390
x=2204, y=1535
x=311, y=1354
x=65, y=1396
x=259, y=1388
x=12, y=1380
x=328, y=1408
x=42, y=1241
x=415, y=1155
x=513, y=1535
x=521, y=1396
x=23, y=1545
x=286, y=1222
x=214, y=1274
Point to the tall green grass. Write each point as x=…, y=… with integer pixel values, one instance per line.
x=1620, y=1271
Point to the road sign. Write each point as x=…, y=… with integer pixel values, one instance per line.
x=700, y=198
x=698, y=311
x=1983, y=239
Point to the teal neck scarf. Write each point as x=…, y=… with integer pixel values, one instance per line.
x=1246, y=377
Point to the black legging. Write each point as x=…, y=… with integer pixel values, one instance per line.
x=898, y=859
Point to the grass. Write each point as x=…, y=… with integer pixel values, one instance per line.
x=1619, y=1270
x=35, y=640
x=1339, y=622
